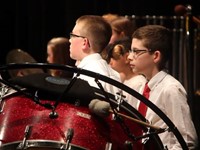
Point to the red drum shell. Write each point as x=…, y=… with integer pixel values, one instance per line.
x=90, y=132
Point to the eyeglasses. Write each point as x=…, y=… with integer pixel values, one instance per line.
x=138, y=52
x=71, y=35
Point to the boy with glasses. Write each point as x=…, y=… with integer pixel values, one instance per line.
x=90, y=35
x=150, y=51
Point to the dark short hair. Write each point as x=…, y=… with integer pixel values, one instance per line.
x=97, y=29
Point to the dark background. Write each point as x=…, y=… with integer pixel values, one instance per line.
x=29, y=24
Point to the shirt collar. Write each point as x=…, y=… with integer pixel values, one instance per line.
x=89, y=58
x=157, y=79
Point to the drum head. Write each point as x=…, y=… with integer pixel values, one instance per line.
x=49, y=87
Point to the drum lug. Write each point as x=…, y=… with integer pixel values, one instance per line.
x=1, y=105
x=108, y=146
x=24, y=143
x=69, y=136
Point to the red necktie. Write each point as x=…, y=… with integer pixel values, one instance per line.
x=142, y=107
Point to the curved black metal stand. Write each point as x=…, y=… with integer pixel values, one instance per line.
x=117, y=84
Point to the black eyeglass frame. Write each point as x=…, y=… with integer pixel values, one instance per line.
x=71, y=35
x=138, y=52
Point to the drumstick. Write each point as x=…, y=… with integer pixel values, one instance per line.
x=139, y=121
x=103, y=109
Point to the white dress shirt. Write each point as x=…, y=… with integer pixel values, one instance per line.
x=97, y=64
x=134, y=83
x=170, y=96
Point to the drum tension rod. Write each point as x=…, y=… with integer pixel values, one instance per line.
x=24, y=144
x=69, y=136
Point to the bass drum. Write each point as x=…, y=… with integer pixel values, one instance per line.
x=27, y=125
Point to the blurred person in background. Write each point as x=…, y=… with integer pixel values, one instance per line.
x=58, y=53
x=118, y=59
x=109, y=17
x=122, y=27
